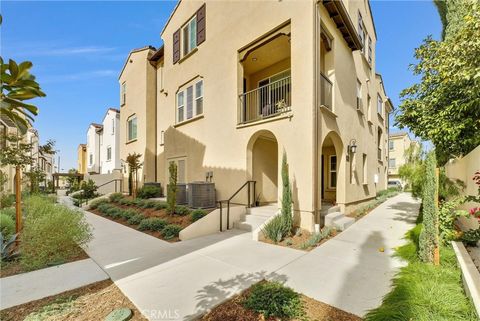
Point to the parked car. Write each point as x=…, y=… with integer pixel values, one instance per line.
x=395, y=183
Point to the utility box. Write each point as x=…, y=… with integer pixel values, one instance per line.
x=201, y=195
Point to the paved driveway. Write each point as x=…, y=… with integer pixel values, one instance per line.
x=182, y=280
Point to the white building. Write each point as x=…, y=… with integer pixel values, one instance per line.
x=94, y=133
x=110, y=142
x=103, y=155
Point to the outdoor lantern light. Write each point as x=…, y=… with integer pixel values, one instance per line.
x=351, y=148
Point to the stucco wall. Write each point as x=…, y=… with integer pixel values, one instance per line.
x=111, y=138
x=93, y=148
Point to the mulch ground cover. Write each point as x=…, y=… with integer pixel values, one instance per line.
x=296, y=241
x=89, y=303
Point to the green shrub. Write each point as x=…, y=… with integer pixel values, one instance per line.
x=95, y=204
x=89, y=189
x=172, y=188
x=447, y=216
x=197, y=214
x=471, y=237
x=148, y=192
x=275, y=229
x=125, y=201
x=171, y=231
x=7, y=200
x=7, y=225
x=10, y=211
x=286, y=199
x=136, y=219
x=114, y=212
x=52, y=233
x=104, y=207
x=182, y=210
x=127, y=214
x=315, y=238
x=273, y=299
x=115, y=197
x=160, y=205
x=152, y=224
x=147, y=204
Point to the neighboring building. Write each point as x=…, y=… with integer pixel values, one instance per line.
x=110, y=142
x=93, y=148
x=138, y=113
x=231, y=103
x=102, y=148
x=397, y=147
x=82, y=159
x=8, y=171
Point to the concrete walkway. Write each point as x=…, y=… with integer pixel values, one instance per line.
x=180, y=281
x=26, y=287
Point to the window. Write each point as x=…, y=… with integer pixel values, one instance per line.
x=189, y=36
x=190, y=101
x=361, y=31
x=109, y=153
x=90, y=160
x=364, y=166
x=379, y=105
x=162, y=137
x=332, y=183
x=391, y=145
x=132, y=128
x=181, y=170
x=379, y=143
x=359, y=95
x=113, y=126
x=369, y=49
x=391, y=163
x=369, y=107
x=123, y=94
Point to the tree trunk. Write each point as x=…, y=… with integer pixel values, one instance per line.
x=18, y=200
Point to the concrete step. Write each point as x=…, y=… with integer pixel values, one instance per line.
x=250, y=222
x=343, y=223
x=333, y=209
x=332, y=217
x=262, y=211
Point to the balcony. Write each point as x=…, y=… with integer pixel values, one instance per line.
x=266, y=101
x=326, y=92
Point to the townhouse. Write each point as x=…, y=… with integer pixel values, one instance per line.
x=398, y=145
x=82, y=159
x=238, y=84
x=102, y=148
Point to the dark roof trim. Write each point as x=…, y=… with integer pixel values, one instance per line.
x=340, y=16
x=157, y=55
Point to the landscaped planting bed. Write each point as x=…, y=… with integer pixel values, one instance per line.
x=52, y=234
x=92, y=302
x=305, y=240
x=272, y=301
x=147, y=216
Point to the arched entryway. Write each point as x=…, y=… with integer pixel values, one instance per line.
x=262, y=159
x=331, y=159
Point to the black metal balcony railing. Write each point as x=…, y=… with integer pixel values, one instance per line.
x=265, y=101
x=326, y=92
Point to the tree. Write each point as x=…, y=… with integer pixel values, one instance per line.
x=35, y=176
x=16, y=153
x=134, y=164
x=286, y=197
x=414, y=168
x=428, y=241
x=17, y=86
x=172, y=188
x=444, y=106
x=48, y=148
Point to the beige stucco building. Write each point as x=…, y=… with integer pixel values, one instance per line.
x=397, y=146
x=82, y=158
x=237, y=84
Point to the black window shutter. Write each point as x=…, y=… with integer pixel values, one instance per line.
x=201, y=25
x=176, y=46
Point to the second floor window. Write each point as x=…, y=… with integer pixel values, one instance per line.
x=359, y=95
x=391, y=145
x=361, y=31
x=379, y=105
x=391, y=163
x=190, y=101
x=90, y=160
x=189, y=36
x=113, y=126
x=109, y=153
x=132, y=128
x=369, y=49
x=123, y=94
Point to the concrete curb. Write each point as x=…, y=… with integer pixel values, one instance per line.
x=470, y=274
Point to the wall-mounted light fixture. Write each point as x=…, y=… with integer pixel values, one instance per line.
x=351, y=148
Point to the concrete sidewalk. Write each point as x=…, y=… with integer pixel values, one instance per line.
x=353, y=271
x=180, y=281
x=26, y=287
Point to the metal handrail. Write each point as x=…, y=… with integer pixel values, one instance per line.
x=228, y=201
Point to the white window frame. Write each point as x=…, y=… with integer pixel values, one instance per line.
x=131, y=119
x=391, y=145
x=365, y=169
x=330, y=172
x=359, y=95
x=187, y=35
x=379, y=105
x=109, y=151
x=162, y=138
x=177, y=160
x=90, y=159
x=370, y=52
x=390, y=160
x=361, y=31
x=185, y=105
x=123, y=93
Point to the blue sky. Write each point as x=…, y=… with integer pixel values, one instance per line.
x=78, y=49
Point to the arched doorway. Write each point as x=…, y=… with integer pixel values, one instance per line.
x=263, y=166
x=331, y=159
